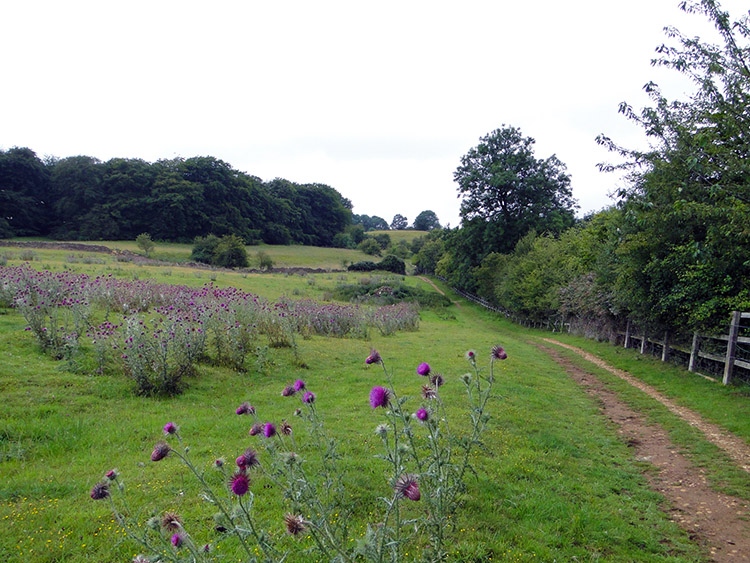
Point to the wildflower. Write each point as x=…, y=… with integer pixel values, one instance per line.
x=407, y=486
x=381, y=430
x=140, y=559
x=471, y=356
x=285, y=428
x=171, y=521
x=422, y=415
x=299, y=385
x=374, y=357
x=437, y=380
x=297, y=412
x=428, y=392
x=498, y=353
x=288, y=391
x=423, y=369
x=219, y=463
x=269, y=429
x=111, y=474
x=289, y=458
x=255, y=429
x=379, y=397
x=245, y=408
x=170, y=428
x=161, y=450
x=177, y=540
x=206, y=548
x=466, y=378
x=248, y=459
x=294, y=524
x=100, y=491
x=239, y=483
x=308, y=397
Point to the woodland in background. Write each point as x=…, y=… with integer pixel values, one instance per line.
x=82, y=198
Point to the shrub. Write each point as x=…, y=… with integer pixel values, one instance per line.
x=369, y=246
x=343, y=240
x=383, y=239
x=204, y=249
x=362, y=267
x=145, y=243
x=230, y=253
x=393, y=264
x=264, y=260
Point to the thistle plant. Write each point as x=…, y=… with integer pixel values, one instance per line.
x=425, y=476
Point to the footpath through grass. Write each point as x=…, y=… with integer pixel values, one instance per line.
x=554, y=482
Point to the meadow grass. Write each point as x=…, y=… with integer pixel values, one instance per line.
x=407, y=235
x=553, y=483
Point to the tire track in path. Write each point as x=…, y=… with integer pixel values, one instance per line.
x=716, y=521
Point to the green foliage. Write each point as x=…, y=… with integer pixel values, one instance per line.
x=343, y=240
x=230, y=253
x=204, y=249
x=399, y=222
x=370, y=246
x=426, y=221
x=264, y=260
x=145, y=243
x=368, y=223
x=386, y=291
x=393, y=264
x=364, y=266
x=383, y=239
x=428, y=256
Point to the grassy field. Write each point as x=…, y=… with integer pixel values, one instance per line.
x=554, y=482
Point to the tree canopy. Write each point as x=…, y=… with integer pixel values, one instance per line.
x=426, y=221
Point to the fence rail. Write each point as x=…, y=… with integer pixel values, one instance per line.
x=729, y=359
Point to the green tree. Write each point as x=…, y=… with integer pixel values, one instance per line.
x=426, y=221
x=399, y=222
x=145, y=243
x=685, y=256
x=230, y=253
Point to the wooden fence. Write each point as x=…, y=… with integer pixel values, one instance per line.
x=729, y=359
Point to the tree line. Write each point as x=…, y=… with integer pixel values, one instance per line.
x=83, y=198
x=673, y=252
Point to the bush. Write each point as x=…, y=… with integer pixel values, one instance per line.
x=343, y=240
x=383, y=239
x=230, y=253
x=393, y=264
x=264, y=260
x=204, y=249
x=145, y=243
x=362, y=267
x=370, y=246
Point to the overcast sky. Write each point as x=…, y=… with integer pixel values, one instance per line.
x=379, y=100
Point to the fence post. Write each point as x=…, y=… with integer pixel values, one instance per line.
x=734, y=330
x=694, y=349
x=665, y=347
x=627, y=335
x=643, y=343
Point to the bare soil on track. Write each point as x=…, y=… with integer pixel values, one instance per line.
x=718, y=522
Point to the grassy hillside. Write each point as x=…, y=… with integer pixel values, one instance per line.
x=554, y=482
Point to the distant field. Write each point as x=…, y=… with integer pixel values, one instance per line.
x=398, y=236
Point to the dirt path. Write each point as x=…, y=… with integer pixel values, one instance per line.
x=718, y=522
x=737, y=449
x=440, y=291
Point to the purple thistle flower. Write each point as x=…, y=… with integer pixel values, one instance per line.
x=498, y=353
x=244, y=408
x=111, y=474
x=379, y=397
x=423, y=369
x=285, y=428
x=471, y=355
x=437, y=380
x=308, y=397
x=288, y=391
x=299, y=385
x=100, y=491
x=177, y=540
x=161, y=450
x=428, y=392
x=170, y=428
x=269, y=429
x=422, y=415
x=374, y=357
x=248, y=459
x=255, y=429
x=239, y=483
x=407, y=486
x=171, y=521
